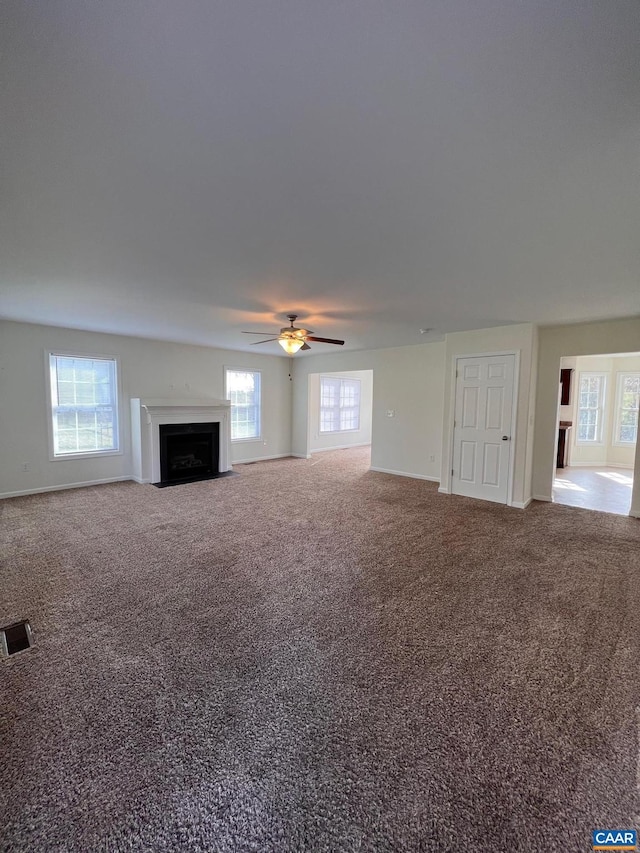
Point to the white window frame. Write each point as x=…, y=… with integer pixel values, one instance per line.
x=82, y=454
x=600, y=423
x=617, y=441
x=340, y=379
x=228, y=370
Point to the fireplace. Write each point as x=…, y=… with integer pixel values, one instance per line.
x=177, y=441
x=188, y=452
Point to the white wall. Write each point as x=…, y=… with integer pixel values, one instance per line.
x=407, y=380
x=147, y=369
x=352, y=438
x=521, y=338
x=612, y=336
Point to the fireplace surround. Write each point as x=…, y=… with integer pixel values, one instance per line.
x=199, y=417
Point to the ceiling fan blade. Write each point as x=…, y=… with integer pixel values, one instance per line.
x=259, y=333
x=263, y=342
x=305, y=345
x=325, y=340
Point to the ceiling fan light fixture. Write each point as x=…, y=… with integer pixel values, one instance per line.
x=291, y=345
x=291, y=338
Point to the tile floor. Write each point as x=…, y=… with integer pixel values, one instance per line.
x=605, y=489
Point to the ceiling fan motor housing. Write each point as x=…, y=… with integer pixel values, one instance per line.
x=291, y=331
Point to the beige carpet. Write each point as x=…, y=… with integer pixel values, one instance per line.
x=314, y=657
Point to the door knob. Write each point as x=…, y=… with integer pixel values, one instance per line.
x=505, y=438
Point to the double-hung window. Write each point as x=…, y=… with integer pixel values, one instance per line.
x=591, y=407
x=243, y=389
x=84, y=405
x=339, y=404
x=627, y=407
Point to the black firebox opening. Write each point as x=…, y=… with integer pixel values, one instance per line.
x=189, y=452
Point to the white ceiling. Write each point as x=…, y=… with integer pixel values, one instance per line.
x=185, y=170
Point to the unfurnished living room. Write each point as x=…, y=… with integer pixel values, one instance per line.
x=319, y=392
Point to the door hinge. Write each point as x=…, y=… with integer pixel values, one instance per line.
x=452, y=472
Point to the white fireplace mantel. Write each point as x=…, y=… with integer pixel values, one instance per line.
x=148, y=414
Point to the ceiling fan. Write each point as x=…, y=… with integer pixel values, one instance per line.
x=292, y=339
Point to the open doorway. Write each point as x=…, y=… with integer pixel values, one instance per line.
x=599, y=397
x=340, y=409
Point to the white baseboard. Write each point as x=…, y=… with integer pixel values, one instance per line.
x=546, y=498
x=300, y=455
x=598, y=465
x=405, y=474
x=514, y=504
x=340, y=447
x=43, y=489
x=260, y=458
x=521, y=504
x=584, y=465
x=634, y=513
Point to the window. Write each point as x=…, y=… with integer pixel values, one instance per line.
x=243, y=389
x=591, y=407
x=84, y=405
x=627, y=406
x=339, y=404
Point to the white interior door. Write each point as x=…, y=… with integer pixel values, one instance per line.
x=482, y=432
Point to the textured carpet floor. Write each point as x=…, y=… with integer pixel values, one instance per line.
x=314, y=657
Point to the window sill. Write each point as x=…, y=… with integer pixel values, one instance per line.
x=90, y=454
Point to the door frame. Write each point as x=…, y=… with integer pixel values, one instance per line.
x=514, y=412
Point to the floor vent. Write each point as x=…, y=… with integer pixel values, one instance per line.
x=15, y=638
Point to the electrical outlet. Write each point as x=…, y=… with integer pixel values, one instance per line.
x=432, y=458
x=391, y=413
x=26, y=466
